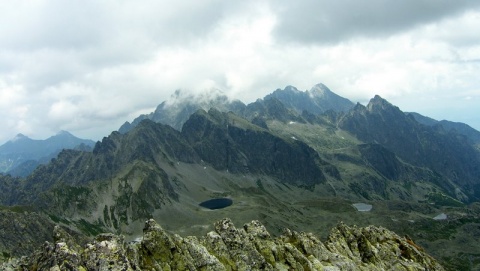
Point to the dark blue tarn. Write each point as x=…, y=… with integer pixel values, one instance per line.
x=217, y=203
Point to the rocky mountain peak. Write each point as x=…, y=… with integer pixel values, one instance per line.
x=378, y=103
x=289, y=88
x=63, y=133
x=176, y=110
x=359, y=107
x=320, y=90
x=317, y=100
x=18, y=137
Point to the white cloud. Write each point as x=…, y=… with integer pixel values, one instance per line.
x=88, y=66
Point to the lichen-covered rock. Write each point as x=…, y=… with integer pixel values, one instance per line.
x=63, y=254
x=231, y=248
x=240, y=247
x=201, y=257
x=106, y=253
x=156, y=247
x=377, y=248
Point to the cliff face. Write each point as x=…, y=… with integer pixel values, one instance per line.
x=231, y=143
x=229, y=248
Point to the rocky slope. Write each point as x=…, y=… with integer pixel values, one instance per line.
x=229, y=248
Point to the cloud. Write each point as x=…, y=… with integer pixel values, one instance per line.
x=314, y=21
x=89, y=66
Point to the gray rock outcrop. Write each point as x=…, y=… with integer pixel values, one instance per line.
x=229, y=248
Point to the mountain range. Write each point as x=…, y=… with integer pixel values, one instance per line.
x=21, y=155
x=294, y=159
x=176, y=111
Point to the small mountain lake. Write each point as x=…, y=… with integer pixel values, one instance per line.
x=217, y=203
x=362, y=207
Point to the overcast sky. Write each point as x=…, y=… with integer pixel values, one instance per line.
x=87, y=66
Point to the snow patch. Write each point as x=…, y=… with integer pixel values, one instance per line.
x=441, y=216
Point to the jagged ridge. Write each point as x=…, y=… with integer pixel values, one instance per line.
x=230, y=248
x=318, y=100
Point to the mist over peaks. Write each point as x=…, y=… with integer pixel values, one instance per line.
x=184, y=96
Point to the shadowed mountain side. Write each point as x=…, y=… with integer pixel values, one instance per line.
x=25, y=168
x=447, y=153
x=389, y=166
x=9, y=189
x=230, y=143
x=461, y=128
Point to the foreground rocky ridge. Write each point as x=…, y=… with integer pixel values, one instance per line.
x=230, y=248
